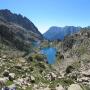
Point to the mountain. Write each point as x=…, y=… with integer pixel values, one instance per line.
x=76, y=52
x=58, y=33
x=18, y=30
x=78, y=40
x=19, y=19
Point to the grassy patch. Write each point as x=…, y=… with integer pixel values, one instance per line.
x=9, y=83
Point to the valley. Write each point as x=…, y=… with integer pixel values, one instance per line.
x=31, y=61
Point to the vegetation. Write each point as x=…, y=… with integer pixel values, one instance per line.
x=19, y=56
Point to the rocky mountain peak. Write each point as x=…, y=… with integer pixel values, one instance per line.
x=17, y=28
x=18, y=19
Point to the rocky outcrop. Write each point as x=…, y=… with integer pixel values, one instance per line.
x=59, y=87
x=75, y=87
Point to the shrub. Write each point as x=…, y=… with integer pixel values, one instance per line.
x=41, y=65
x=30, y=59
x=69, y=69
x=39, y=57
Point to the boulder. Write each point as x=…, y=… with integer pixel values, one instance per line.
x=12, y=87
x=32, y=79
x=4, y=56
x=53, y=76
x=85, y=79
x=47, y=88
x=3, y=81
x=6, y=73
x=11, y=76
x=59, y=87
x=75, y=87
x=86, y=73
x=18, y=66
x=22, y=60
x=19, y=81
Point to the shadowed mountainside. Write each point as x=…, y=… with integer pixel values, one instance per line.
x=17, y=30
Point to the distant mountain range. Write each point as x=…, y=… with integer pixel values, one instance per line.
x=17, y=30
x=58, y=33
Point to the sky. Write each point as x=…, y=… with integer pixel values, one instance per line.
x=47, y=13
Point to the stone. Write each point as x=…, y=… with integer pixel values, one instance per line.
x=59, y=87
x=11, y=76
x=32, y=79
x=75, y=87
x=18, y=66
x=6, y=73
x=22, y=60
x=53, y=76
x=35, y=86
x=22, y=82
x=12, y=87
x=19, y=81
x=86, y=73
x=3, y=81
x=85, y=79
x=48, y=77
x=24, y=87
x=47, y=88
x=4, y=56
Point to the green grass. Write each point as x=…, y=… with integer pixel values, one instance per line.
x=9, y=83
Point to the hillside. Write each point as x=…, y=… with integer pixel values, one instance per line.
x=58, y=33
x=18, y=19
x=24, y=67
x=17, y=30
x=76, y=62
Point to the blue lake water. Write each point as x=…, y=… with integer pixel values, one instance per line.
x=50, y=54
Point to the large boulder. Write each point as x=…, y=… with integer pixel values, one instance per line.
x=11, y=76
x=75, y=87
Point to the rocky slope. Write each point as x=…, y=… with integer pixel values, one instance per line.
x=58, y=33
x=20, y=20
x=21, y=70
x=76, y=62
x=17, y=30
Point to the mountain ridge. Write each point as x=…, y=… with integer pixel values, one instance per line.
x=17, y=30
x=58, y=33
x=23, y=21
